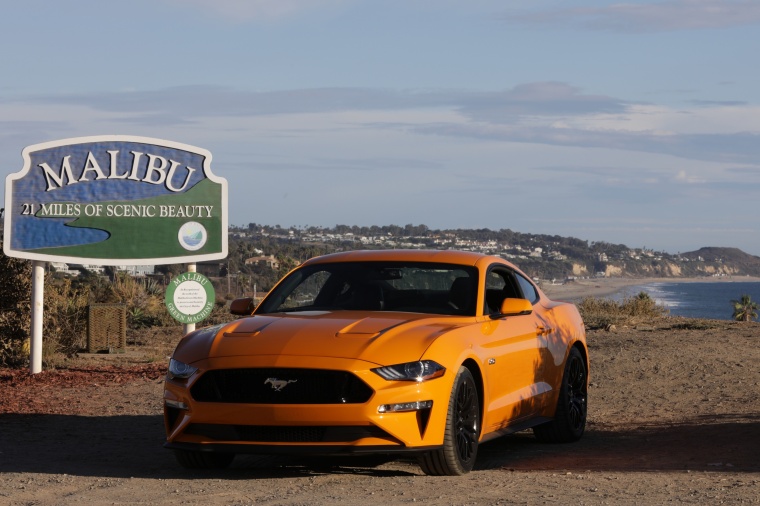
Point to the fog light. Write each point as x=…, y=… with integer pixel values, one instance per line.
x=404, y=406
x=176, y=404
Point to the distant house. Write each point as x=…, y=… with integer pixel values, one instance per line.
x=136, y=270
x=269, y=261
x=64, y=269
x=95, y=269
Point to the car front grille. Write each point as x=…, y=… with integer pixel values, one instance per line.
x=280, y=386
x=287, y=434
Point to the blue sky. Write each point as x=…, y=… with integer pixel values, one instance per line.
x=634, y=123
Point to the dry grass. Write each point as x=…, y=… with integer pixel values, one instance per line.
x=599, y=313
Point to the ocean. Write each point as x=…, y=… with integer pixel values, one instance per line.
x=697, y=300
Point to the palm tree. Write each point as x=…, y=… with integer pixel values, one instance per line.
x=744, y=309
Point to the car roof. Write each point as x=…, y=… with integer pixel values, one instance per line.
x=398, y=255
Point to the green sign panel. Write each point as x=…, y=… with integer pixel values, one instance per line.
x=190, y=297
x=116, y=199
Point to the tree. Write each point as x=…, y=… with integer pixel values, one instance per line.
x=745, y=309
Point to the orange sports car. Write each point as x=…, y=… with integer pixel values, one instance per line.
x=427, y=353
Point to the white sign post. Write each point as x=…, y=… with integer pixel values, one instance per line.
x=35, y=342
x=189, y=327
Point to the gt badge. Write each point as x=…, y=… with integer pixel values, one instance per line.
x=278, y=384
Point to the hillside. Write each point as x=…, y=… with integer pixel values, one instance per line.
x=541, y=256
x=734, y=258
x=549, y=257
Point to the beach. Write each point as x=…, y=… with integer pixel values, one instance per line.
x=575, y=290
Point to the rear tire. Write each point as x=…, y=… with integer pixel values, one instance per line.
x=572, y=406
x=203, y=460
x=460, y=439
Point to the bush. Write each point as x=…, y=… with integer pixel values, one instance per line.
x=220, y=314
x=66, y=304
x=600, y=313
x=144, y=299
x=65, y=325
x=64, y=314
x=15, y=309
x=66, y=308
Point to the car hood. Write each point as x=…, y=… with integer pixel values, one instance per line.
x=383, y=338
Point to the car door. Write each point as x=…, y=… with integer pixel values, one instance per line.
x=512, y=349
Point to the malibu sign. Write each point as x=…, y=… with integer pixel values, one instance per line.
x=134, y=200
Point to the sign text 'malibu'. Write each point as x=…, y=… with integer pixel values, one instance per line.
x=116, y=200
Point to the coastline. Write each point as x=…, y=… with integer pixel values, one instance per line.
x=576, y=290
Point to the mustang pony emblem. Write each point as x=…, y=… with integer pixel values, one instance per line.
x=277, y=384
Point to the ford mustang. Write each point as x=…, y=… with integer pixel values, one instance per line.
x=428, y=353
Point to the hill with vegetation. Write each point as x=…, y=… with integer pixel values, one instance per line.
x=260, y=255
x=548, y=257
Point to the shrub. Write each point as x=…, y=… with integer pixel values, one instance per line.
x=601, y=313
x=65, y=324
x=15, y=309
x=144, y=299
x=220, y=314
x=64, y=314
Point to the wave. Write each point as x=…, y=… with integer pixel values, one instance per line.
x=696, y=300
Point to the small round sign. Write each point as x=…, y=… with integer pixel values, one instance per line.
x=190, y=297
x=192, y=236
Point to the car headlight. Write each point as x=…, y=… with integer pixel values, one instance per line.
x=180, y=370
x=411, y=371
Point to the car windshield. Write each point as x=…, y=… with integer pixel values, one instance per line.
x=377, y=286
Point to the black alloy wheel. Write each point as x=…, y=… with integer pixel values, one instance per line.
x=572, y=406
x=577, y=396
x=460, y=441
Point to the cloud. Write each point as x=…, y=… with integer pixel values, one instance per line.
x=549, y=113
x=734, y=148
x=200, y=101
x=532, y=99
x=684, y=177
x=325, y=165
x=264, y=10
x=536, y=99
x=727, y=103
x=667, y=16
x=748, y=174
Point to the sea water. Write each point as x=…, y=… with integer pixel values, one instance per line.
x=697, y=300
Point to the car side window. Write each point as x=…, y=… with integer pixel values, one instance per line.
x=529, y=291
x=500, y=284
x=306, y=293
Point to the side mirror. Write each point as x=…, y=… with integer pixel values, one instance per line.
x=243, y=307
x=514, y=307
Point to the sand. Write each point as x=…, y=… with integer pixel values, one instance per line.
x=576, y=290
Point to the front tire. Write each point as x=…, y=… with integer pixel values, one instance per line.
x=460, y=439
x=572, y=406
x=203, y=460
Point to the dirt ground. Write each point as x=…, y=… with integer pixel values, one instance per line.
x=674, y=417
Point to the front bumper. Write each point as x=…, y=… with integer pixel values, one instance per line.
x=307, y=428
x=269, y=449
